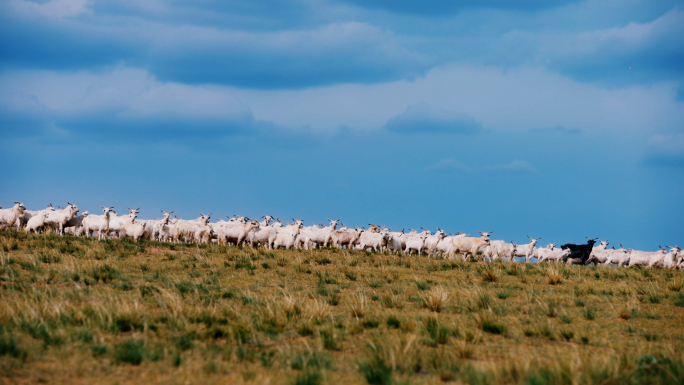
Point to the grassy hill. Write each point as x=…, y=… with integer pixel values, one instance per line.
x=75, y=310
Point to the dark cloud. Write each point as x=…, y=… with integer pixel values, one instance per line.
x=274, y=45
x=302, y=60
x=243, y=14
x=330, y=54
x=636, y=53
x=422, y=119
x=51, y=45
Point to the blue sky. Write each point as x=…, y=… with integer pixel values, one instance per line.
x=554, y=119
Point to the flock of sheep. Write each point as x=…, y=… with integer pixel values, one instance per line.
x=273, y=234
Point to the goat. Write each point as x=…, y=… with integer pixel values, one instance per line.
x=550, y=253
x=99, y=223
x=599, y=254
x=526, y=250
x=286, y=236
x=579, y=254
x=236, y=233
x=264, y=235
x=374, y=241
x=74, y=225
x=469, y=245
x=646, y=258
x=314, y=236
x=619, y=256
x=345, y=238
x=432, y=241
x=8, y=217
x=59, y=218
x=28, y=214
x=36, y=222
x=131, y=228
x=116, y=222
x=500, y=250
x=416, y=244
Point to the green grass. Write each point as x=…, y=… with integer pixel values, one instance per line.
x=79, y=310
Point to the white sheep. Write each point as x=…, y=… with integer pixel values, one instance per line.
x=373, y=241
x=8, y=217
x=469, y=245
x=550, y=253
x=527, y=250
x=58, y=218
x=28, y=214
x=416, y=243
x=236, y=232
x=345, y=238
x=99, y=223
x=132, y=229
x=264, y=235
x=645, y=258
x=313, y=236
x=116, y=222
x=286, y=236
x=500, y=250
x=36, y=222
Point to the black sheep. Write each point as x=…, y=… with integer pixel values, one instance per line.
x=579, y=254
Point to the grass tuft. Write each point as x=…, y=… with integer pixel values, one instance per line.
x=554, y=276
x=130, y=351
x=436, y=299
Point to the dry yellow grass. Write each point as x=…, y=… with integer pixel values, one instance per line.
x=75, y=310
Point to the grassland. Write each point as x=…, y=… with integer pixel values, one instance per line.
x=76, y=310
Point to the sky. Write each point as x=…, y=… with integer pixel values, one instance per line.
x=558, y=119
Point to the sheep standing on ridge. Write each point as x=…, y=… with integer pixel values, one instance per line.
x=36, y=223
x=74, y=225
x=99, y=223
x=28, y=214
x=8, y=217
x=57, y=219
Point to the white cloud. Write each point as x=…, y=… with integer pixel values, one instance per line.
x=666, y=28
x=520, y=99
x=130, y=93
x=422, y=119
x=50, y=9
x=667, y=144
